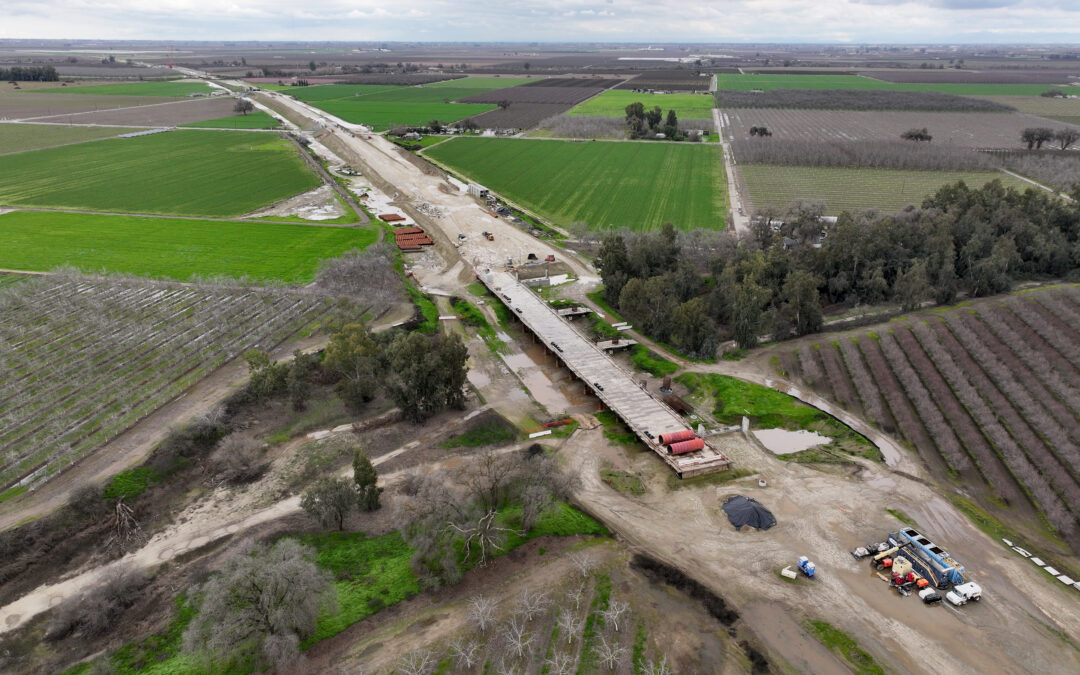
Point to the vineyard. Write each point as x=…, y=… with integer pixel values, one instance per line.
x=989, y=394
x=82, y=359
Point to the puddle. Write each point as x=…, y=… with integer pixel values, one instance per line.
x=478, y=378
x=784, y=442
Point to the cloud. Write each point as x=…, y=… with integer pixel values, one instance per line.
x=643, y=21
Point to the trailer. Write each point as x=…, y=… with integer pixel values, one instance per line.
x=930, y=560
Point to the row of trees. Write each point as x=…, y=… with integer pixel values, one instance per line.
x=1035, y=137
x=776, y=281
x=895, y=154
x=844, y=99
x=29, y=74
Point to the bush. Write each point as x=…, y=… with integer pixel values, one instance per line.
x=94, y=612
x=236, y=459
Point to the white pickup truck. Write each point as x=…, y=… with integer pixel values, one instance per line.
x=964, y=593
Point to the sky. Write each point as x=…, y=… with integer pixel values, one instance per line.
x=634, y=21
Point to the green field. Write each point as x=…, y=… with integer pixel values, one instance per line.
x=170, y=247
x=177, y=89
x=23, y=137
x=767, y=82
x=12, y=279
x=254, y=120
x=612, y=103
x=384, y=106
x=636, y=185
x=844, y=189
x=182, y=173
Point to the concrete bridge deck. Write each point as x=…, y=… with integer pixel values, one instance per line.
x=646, y=415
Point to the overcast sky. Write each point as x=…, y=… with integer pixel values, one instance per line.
x=909, y=21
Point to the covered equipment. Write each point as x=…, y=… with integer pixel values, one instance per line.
x=742, y=510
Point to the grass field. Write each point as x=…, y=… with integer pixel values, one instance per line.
x=766, y=82
x=636, y=185
x=384, y=106
x=613, y=103
x=175, y=89
x=845, y=189
x=170, y=247
x=183, y=173
x=255, y=120
x=23, y=137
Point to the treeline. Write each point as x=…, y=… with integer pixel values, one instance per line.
x=870, y=154
x=778, y=280
x=852, y=99
x=29, y=74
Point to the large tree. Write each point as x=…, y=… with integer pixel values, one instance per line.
x=243, y=106
x=261, y=604
x=330, y=501
x=802, y=302
x=1066, y=137
x=366, y=478
x=356, y=357
x=426, y=374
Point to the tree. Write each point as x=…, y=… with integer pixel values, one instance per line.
x=330, y=500
x=298, y=378
x=614, y=613
x=426, y=374
x=481, y=612
x=365, y=478
x=569, y=625
x=693, y=331
x=912, y=287
x=672, y=119
x=635, y=111
x=466, y=653
x=532, y=604
x=354, y=355
x=267, y=377
x=519, y=640
x=917, y=135
x=802, y=302
x=311, y=66
x=419, y=662
x=527, y=65
x=1066, y=137
x=435, y=125
x=749, y=299
x=503, y=104
x=243, y=106
x=610, y=653
x=1036, y=136
x=654, y=116
x=584, y=562
x=262, y=603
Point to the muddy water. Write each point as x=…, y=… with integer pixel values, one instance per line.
x=552, y=385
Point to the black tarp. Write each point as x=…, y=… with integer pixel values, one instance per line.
x=742, y=510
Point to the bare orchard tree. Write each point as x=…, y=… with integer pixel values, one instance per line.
x=420, y=662
x=560, y=663
x=264, y=599
x=466, y=653
x=610, y=653
x=614, y=613
x=584, y=562
x=368, y=275
x=519, y=640
x=532, y=604
x=660, y=667
x=576, y=595
x=570, y=625
x=481, y=612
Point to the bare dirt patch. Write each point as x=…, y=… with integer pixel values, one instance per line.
x=318, y=204
x=147, y=112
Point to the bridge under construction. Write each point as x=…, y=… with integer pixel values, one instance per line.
x=651, y=420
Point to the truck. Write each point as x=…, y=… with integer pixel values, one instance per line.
x=930, y=560
x=806, y=567
x=964, y=593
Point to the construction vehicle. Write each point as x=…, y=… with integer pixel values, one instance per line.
x=930, y=560
x=883, y=560
x=964, y=593
x=806, y=567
